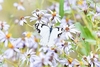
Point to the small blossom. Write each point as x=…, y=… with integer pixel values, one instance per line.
x=11, y=53
x=22, y=20
x=53, y=16
x=69, y=31
x=30, y=40
x=63, y=46
x=5, y=37
x=19, y=6
x=4, y=26
x=27, y=56
x=91, y=60
x=38, y=16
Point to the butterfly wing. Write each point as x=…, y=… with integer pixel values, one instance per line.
x=44, y=31
x=56, y=32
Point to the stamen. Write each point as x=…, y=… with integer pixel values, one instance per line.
x=10, y=45
x=80, y=2
x=28, y=34
x=70, y=60
x=67, y=28
x=54, y=14
x=8, y=36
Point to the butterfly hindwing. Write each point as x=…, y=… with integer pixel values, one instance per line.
x=44, y=31
x=56, y=32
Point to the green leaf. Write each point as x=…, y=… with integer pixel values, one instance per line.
x=91, y=41
x=85, y=32
x=68, y=11
x=61, y=8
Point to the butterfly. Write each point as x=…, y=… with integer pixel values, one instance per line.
x=48, y=34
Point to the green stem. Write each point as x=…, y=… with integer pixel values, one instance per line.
x=10, y=63
x=73, y=14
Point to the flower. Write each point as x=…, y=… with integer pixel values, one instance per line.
x=30, y=40
x=66, y=21
x=38, y=16
x=5, y=37
x=40, y=60
x=4, y=26
x=64, y=46
x=91, y=60
x=27, y=56
x=11, y=52
x=53, y=16
x=96, y=16
x=55, y=7
x=69, y=30
x=82, y=4
x=69, y=62
x=19, y=5
x=22, y=20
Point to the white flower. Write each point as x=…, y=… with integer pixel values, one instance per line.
x=91, y=60
x=5, y=37
x=27, y=56
x=55, y=7
x=19, y=6
x=22, y=20
x=1, y=1
x=66, y=21
x=20, y=43
x=82, y=5
x=40, y=60
x=69, y=31
x=69, y=62
x=11, y=52
x=30, y=40
x=53, y=16
x=4, y=26
x=96, y=16
x=67, y=4
x=38, y=16
x=63, y=46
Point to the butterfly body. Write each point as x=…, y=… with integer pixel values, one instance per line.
x=48, y=34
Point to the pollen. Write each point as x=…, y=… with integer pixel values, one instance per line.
x=81, y=62
x=67, y=28
x=67, y=19
x=38, y=53
x=10, y=45
x=80, y=2
x=70, y=60
x=54, y=14
x=35, y=39
x=8, y=36
x=28, y=34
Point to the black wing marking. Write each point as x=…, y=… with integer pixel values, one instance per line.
x=38, y=27
x=59, y=29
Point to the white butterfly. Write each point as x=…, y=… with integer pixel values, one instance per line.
x=48, y=34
